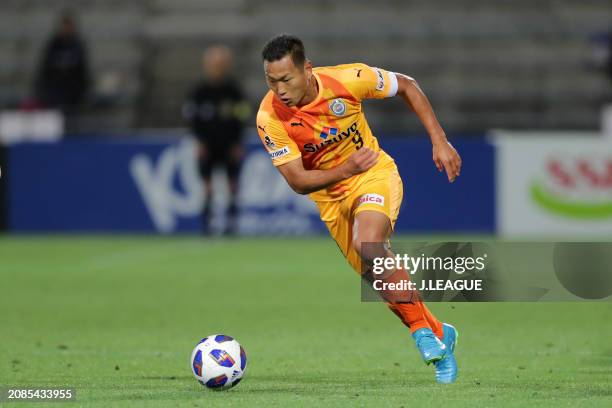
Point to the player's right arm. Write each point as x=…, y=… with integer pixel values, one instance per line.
x=304, y=181
x=287, y=158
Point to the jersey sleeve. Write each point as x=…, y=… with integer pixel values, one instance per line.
x=280, y=146
x=367, y=82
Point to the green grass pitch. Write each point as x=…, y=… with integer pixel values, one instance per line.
x=117, y=318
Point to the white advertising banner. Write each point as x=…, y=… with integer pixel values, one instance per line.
x=558, y=187
x=39, y=126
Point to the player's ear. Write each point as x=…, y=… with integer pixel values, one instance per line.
x=308, y=66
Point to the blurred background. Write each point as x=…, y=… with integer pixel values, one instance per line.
x=111, y=113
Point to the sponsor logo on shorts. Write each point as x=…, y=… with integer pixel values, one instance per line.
x=277, y=154
x=372, y=198
x=381, y=80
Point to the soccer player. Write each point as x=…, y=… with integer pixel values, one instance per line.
x=312, y=125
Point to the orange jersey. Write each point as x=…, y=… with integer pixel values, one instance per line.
x=328, y=130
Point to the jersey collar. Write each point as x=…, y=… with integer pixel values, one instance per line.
x=316, y=100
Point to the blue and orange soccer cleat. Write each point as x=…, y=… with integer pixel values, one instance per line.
x=446, y=368
x=430, y=347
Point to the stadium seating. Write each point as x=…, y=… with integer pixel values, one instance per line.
x=504, y=64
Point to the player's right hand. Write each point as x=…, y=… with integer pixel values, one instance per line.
x=362, y=160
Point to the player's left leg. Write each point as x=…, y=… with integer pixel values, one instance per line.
x=374, y=209
x=371, y=232
x=374, y=212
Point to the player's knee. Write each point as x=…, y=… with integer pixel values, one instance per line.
x=369, y=245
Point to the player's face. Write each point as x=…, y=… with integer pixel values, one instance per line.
x=287, y=81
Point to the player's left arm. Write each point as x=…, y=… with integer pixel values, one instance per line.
x=444, y=154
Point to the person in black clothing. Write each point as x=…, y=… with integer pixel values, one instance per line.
x=216, y=110
x=63, y=76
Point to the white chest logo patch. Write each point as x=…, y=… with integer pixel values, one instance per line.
x=338, y=107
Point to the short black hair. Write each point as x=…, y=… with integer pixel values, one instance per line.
x=282, y=45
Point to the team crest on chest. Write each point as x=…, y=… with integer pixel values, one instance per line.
x=337, y=107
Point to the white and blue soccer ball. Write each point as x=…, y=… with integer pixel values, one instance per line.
x=218, y=362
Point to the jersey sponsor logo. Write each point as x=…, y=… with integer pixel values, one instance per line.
x=269, y=142
x=337, y=107
x=380, y=85
x=277, y=154
x=328, y=131
x=372, y=198
x=352, y=132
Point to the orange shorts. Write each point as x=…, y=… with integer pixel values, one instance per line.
x=381, y=191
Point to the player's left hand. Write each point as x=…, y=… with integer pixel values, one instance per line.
x=446, y=157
